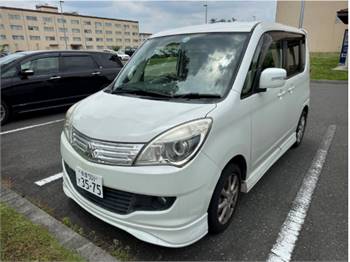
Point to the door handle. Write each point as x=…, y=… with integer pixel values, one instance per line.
x=96, y=73
x=290, y=89
x=54, y=77
x=281, y=94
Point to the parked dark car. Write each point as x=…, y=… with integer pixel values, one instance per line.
x=37, y=80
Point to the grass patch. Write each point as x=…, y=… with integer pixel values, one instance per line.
x=21, y=240
x=322, y=65
x=116, y=249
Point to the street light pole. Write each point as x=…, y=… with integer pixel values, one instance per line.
x=63, y=21
x=301, y=17
x=206, y=11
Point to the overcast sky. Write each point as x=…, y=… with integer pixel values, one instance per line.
x=155, y=16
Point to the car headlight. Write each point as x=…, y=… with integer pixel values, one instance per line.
x=176, y=146
x=67, y=128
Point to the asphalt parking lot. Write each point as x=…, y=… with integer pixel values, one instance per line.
x=30, y=155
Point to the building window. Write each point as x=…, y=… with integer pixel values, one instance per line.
x=87, y=31
x=88, y=39
x=98, y=24
x=16, y=27
x=89, y=47
x=118, y=32
x=100, y=47
x=99, y=39
x=127, y=41
x=32, y=18
x=109, y=32
x=76, y=30
x=74, y=22
x=48, y=29
x=135, y=41
x=87, y=22
x=77, y=39
x=135, y=34
x=2, y=37
x=47, y=19
x=62, y=38
x=14, y=17
x=18, y=37
x=49, y=38
x=126, y=26
x=118, y=39
x=135, y=26
x=109, y=39
x=2, y=26
x=61, y=20
x=98, y=31
x=34, y=37
x=33, y=28
x=108, y=24
x=62, y=30
x=126, y=33
x=117, y=25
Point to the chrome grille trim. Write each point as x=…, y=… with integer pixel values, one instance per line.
x=104, y=152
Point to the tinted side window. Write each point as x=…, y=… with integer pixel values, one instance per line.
x=109, y=61
x=41, y=66
x=269, y=53
x=294, y=54
x=77, y=63
x=9, y=72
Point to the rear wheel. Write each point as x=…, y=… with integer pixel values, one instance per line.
x=224, y=200
x=4, y=113
x=300, y=129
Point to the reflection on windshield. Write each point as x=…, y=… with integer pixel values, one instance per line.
x=184, y=64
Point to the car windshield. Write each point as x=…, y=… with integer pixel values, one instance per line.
x=189, y=66
x=12, y=57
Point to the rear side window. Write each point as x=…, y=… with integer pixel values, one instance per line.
x=41, y=66
x=109, y=60
x=295, y=56
x=77, y=63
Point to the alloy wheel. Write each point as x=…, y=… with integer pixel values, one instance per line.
x=301, y=128
x=228, y=199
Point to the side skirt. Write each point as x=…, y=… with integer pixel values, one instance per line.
x=255, y=176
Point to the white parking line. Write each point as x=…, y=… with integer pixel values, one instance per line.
x=29, y=127
x=49, y=179
x=288, y=235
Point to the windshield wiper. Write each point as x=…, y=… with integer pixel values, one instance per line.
x=197, y=96
x=141, y=92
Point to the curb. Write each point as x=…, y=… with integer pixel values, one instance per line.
x=65, y=236
x=329, y=82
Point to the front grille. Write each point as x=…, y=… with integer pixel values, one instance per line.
x=104, y=152
x=122, y=202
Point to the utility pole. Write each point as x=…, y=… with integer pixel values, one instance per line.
x=301, y=17
x=63, y=21
x=206, y=11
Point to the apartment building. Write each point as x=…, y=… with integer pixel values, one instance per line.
x=46, y=28
x=143, y=37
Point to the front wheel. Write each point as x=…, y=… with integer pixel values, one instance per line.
x=4, y=113
x=300, y=129
x=224, y=200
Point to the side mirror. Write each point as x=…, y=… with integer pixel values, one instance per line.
x=27, y=72
x=272, y=78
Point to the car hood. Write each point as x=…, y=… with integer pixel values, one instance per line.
x=132, y=119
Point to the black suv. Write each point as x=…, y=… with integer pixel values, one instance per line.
x=36, y=80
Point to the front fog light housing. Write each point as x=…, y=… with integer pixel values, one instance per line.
x=176, y=146
x=67, y=128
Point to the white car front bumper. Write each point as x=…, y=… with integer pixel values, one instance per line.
x=182, y=224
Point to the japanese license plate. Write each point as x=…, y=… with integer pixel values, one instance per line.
x=89, y=182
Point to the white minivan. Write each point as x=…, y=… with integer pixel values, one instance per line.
x=197, y=116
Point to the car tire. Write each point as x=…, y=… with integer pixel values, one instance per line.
x=300, y=130
x=225, y=197
x=4, y=113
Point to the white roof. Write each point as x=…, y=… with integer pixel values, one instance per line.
x=227, y=27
